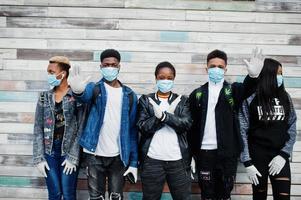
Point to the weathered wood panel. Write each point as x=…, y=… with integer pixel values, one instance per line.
x=210, y=26
x=32, y=22
x=191, y=5
x=146, y=32
x=278, y=6
x=89, y=3
x=141, y=35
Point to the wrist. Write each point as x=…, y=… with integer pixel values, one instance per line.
x=248, y=163
x=284, y=155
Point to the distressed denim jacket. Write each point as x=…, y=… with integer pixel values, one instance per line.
x=44, y=127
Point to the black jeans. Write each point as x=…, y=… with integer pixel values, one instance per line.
x=99, y=169
x=281, y=183
x=155, y=172
x=215, y=176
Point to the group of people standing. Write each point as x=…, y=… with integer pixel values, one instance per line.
x=168, y=136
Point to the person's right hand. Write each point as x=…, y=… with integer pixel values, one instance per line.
x=76, y=81
x=193, y=170
x=42, y=166
x=157, y=110
x=252, y=174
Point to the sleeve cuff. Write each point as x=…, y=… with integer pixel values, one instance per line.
x=284, y=155
x=248, y=163
x=163, y=117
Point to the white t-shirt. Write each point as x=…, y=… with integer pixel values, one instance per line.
x=165, y=144
x=108, y=142
x=209, y=140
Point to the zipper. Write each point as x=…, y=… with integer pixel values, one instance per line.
x=53, y=118
x=64, y=125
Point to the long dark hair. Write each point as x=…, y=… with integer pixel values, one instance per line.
x=267, y=88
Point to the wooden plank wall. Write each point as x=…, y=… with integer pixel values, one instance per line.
x=146, y=32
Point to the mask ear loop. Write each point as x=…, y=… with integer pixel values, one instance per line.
x=60, y=74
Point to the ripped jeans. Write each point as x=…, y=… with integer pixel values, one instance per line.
x=215, y=176
x=101, y=169
x=281, y=183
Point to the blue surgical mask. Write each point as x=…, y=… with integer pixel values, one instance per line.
x=53, y=81
x=279, y=80
x=165, y=86
x=216, y=74
x=109, y=73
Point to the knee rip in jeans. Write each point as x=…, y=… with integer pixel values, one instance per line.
x=115, y=196
x=101, y=197
x=205, y=175
x=282, y=179
x=283, y=194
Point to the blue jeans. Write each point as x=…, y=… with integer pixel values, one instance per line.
x=59, y=184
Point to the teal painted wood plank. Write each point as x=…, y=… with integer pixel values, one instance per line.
x=18, y=96
x=172, y=36
x=125, y=56
x=14, y=181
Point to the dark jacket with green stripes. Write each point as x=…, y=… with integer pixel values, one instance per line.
x=229, y=142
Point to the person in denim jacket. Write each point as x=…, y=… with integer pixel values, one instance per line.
x=57, y=128
x=109, y=139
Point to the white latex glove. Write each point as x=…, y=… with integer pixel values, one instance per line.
x=252, y=174
x=132, y=170
x=42, y=166
x=173, y=105
x=255, y=65
x=76, y=81
x=192, y=165
x=157, y=110
x=69, y=167
x=276, y=165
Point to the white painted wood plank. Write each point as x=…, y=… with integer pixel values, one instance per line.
x=8, y=53
x=11, y=2
x=19, y=128
x=80, y=3
x=209, y=26
x=112, y=13
x=191, y=5
x=11, y=107
x=289, y=18
x=141, y=35
x=20, y=149
x=2, y=21
x=23, y=43
x=171, y=47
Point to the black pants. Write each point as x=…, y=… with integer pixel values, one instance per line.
x=216, y=176
x=155, y=172
x=281, y=183
x=99, y=169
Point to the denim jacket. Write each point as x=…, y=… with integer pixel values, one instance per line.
x=44, y=127
x=128, y=144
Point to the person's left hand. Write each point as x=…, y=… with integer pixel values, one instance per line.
x=133, y=171
x=69, y=167
x=254, y=66
x=276, y=165
x=173, y=105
